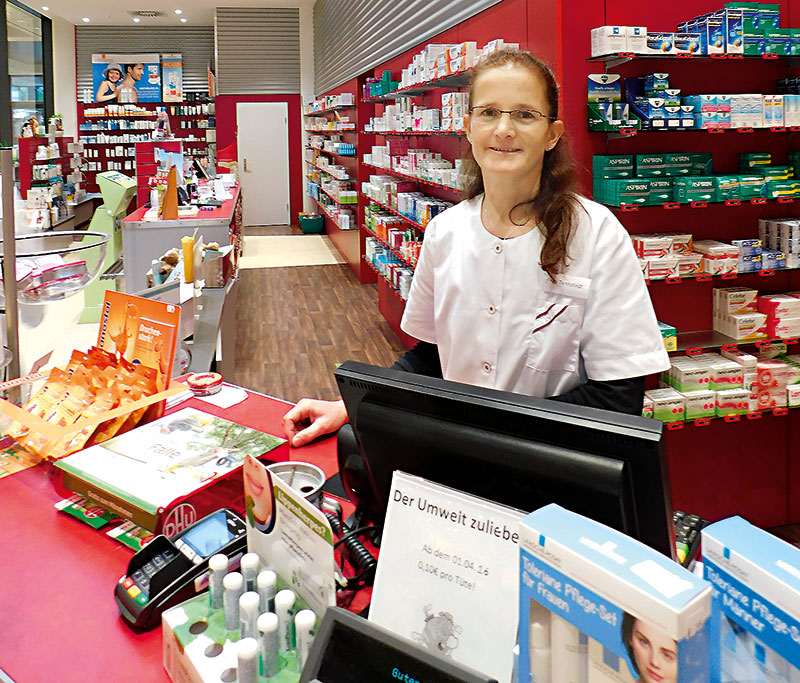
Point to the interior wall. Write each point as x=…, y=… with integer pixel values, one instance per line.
x=64, y=74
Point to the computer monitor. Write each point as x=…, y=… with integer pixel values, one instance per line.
x=383, y=657
x=516, y=450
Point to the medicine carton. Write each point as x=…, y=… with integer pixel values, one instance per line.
x=670, y=336
x=637, y=39
x=792, y=396
x=756, y=603
x=609, y=40
x=668, y=404
x=589, y=596
x=604, y=88
x=700, y=404
x=735, y=299
x=732, y=402
x=779, y=306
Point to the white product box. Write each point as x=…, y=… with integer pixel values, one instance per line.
x=652, y=246
x=636, y=40
x=756, y=603
x=793, y=395
x=700, y=404
x=746, y=360
x=669, y=405
x=589, y=595
x=609, y=40
x=735, y=299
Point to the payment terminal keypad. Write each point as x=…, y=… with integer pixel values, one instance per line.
x=687, y=536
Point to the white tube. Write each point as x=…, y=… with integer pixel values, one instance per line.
x=248, y=614
x=265, y=583
x=568, y=652
x=540, y=652
x=217, y=568
x=247, y=660
x=233, y=584
x=249, y=567
x=303, y=623
x=268, y=643
x=284, y=601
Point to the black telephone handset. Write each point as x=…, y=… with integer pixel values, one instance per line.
x=168, y=571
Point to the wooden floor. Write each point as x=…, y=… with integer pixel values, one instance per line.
x=296, y=324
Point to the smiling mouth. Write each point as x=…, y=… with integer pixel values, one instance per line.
x=506, y=150
x=655, y=676
x=255, y=487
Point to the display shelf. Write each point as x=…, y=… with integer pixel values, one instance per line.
x=673, y=206
x=408, y=220
x=121, y=116
x=457, y=80
x=692, y=343
x=336, y=154
x=626, y=133
x=336, y=201
x=417, y=133
x=414, y=178
x=613, y=60
x=328, y=131
x=708, y=421
x=398, y=254
x=324, y=210
x=708, y=277
x=385, y=279
x=338, y=107
x=324, y=170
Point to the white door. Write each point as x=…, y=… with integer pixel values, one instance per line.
x=262, y=134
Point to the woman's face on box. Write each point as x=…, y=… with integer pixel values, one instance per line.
x=656, y=654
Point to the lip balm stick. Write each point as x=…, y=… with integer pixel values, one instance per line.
x=284, y=601
x=218, y=567
x=268, y=643
x=265, y=583
x=249, y=567
x=247, y=660
x=303, y=623
x=248, y=614
x=233, y=584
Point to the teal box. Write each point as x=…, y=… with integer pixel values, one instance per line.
x=650, y=165
x=694, y=189
x=752, y=186
x=727, y=187
x=616, y=166
x=660, y=191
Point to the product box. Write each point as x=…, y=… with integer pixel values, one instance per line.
x=741, y=326
x=637, y=39
x=604, y=88
x=783, y=328
x=609, y=40
x=779, y=306
x=792, y=396
x=593, y=601
x=734, y=299
x=700, y=404
x=687, y=43
x=660, y=43
x=746, y=360
x=756, y=603
x=689, y=264
x=668, y=404
x=695, y=189
x=662, y=267
x=615, y=166
x=647, y=406
x=732, y=402
x=670, y=336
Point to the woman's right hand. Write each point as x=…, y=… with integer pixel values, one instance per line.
x=312, y=418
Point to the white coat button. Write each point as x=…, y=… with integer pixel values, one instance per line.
x=498, y=248
x=492, y=310
x=487, y=368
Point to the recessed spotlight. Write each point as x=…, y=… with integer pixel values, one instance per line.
x=136, y=20
x=184, y=20
x=86, y=20
x=178, y=11
x=45, y=8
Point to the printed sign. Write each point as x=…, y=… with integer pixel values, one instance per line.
x=126, y=79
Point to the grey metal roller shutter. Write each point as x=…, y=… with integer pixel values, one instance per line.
x=195, y=43
x=258, y=50
x=353, y=36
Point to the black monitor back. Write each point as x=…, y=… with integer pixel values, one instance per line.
x=516, y=450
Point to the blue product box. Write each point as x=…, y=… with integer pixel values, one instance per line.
x=749, y=264
x=604, y=88
x=660, y=43
x=654, y=83
x=756, y=603
x=734, y=22
x=593, y=601
x=687, y=43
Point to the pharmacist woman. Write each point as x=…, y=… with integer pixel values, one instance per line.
x=525, y=286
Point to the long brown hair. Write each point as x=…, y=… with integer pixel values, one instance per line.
x=555, y=204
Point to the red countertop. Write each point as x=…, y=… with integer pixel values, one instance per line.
x=224, y=212
x=58, y=617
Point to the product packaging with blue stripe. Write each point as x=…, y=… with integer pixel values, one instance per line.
x=597, y=606
x=756, y=597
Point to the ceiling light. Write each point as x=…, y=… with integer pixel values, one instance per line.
x=136, y=20
x=184, y=20
x=85, y=20
x=178, y=11
x=45, y=8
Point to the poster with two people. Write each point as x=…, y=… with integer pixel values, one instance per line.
x=133, y=78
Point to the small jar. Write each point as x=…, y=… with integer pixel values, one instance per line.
x=205, y=383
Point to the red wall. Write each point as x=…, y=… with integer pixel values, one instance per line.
x=226, y=139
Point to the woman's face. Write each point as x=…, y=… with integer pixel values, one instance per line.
x=114, y=75
x=258, y=486
x=655, y=654
x=504, y=147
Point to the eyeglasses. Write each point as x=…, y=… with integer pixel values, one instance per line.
x=491, y=115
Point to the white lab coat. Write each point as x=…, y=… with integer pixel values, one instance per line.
x=500, y=323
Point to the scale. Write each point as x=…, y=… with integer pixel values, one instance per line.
x=117, y=190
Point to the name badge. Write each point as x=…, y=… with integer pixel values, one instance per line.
x=569, y=285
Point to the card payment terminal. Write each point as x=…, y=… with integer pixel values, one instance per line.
x=169, y=571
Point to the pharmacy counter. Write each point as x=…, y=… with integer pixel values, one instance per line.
x=57, y=610
x=146, y=240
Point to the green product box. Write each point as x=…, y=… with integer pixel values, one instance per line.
x=727, y=187
x=781, y=188
x=650, y=165
x=694, y=189
x=748, y=162
x=754, y=44
x=612, y=166
x=660, y=191
x=700, y=404
x=752, y=186
x=701, y=163
x=777, y=172
x=611, y=116
x=794, y=47
x=670, y=336
x=635, y=191
x=677, y=165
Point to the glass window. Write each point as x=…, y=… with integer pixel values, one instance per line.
x=25, y=68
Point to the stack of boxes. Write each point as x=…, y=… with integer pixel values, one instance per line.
x=396, y=155
x=736, y=315
x=745, y=28
x=783, y=314
x=454, y=109
x=345, y=99
x=402, y=197
x=781, y=237
x=662, y=255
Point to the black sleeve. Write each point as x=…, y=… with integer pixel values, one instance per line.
x=620, y=395
x=423, y=359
